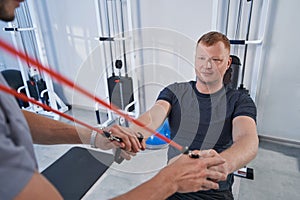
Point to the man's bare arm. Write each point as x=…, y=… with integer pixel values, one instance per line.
x=245, y=144
x=153, y=118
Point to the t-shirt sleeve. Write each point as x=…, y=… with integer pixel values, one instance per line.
x=245, y=106
x=16, y=168
x=167, y=94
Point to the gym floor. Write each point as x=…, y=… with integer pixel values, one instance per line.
x=276, y=169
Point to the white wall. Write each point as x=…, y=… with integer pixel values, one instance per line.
x=69, y=28
x=279, y=92
x=170, y=30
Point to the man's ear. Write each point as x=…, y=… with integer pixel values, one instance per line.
x=229, y=62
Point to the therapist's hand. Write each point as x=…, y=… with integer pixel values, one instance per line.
x=130, y=142
x=194, y=174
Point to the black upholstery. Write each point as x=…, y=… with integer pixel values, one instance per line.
x=75, y=172
x=232, y=74
x=14, y=79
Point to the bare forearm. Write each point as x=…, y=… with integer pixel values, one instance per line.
x=156, y=188
x=48, y=131
x=39, y=188
x=237, y=156
x=145, y=119
x=244, y=148
x=183, y=175
x=153, y=118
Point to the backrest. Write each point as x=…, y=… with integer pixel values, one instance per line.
x=232, y=74
x=14, y=79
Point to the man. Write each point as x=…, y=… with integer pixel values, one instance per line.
x=206, y=114
x=19, y=174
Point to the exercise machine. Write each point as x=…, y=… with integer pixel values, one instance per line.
x=115, y=24
x=241, y=43
x=35, y=84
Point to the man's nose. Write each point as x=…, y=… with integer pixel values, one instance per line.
x=208, y=63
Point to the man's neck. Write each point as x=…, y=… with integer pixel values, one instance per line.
x=210, y=88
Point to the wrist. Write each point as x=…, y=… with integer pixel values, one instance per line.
x=93, y=139
x=167, y=175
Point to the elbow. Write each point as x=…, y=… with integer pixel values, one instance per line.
x=254, y=149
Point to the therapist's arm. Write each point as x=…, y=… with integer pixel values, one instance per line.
x=48, y=131
x=39, y=187
x=183, y=175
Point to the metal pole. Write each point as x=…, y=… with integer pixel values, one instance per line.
x=109, y=35
x=246, y=46
x=124, y=43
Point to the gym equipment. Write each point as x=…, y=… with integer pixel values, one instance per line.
x=75, y=172
x=14, y=79
x=35, y=84
x=8, y=48
x=232, y=73
x=120, y=85
x=154, y=142
x=247, y=5
x=245, y=172
x=121, y=91
x=242, y=42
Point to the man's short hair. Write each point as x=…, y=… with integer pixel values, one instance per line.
x=213, y=37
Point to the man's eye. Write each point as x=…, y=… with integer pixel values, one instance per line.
x=217, y=60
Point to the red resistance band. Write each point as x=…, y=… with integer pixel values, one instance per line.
x=23, y=97
x=7, y=47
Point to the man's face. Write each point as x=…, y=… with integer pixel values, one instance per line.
x=211, y=63
x=7, y=9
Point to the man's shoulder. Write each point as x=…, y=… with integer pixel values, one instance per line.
x=240, y=99
x=181, y=85
x=237, y=94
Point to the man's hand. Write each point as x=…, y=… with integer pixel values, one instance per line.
x=191, y=175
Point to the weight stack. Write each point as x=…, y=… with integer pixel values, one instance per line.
x=114, y=83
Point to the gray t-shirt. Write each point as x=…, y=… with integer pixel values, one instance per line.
x=17, y=158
